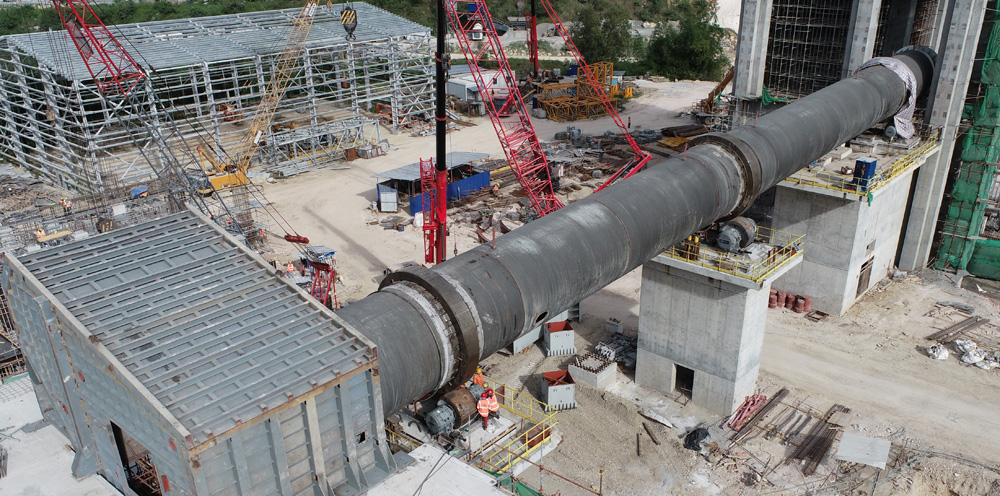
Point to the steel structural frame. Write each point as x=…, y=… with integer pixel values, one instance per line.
x=60, y=129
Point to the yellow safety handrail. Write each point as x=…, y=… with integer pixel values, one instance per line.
x=846, y=184
x=522, y=445
x=785, y=247
x=402, y=442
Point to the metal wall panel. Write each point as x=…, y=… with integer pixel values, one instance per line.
x=92, y=387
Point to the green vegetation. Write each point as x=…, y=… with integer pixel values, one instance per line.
x=602, y=32
x=27, y=19
x=692, y=49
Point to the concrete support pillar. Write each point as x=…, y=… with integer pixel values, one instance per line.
x=751, y=48
x=861, y=34
x=956, y=58
x=899, y=25
x=697, y=320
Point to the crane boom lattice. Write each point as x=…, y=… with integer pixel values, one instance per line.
x=112, y=68
x=473, y=27
x=641, y=156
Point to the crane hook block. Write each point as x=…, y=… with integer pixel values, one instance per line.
x=349, y=19
x=295, y=238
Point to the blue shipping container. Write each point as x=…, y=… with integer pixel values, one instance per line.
x=456, y=190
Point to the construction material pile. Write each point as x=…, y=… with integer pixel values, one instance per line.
x=619, y=348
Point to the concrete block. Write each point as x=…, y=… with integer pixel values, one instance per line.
x=593, y=370
x=558, y=390
x=560, y=339
x=614, y=326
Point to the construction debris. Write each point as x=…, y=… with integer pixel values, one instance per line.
x=863, y=449
x=750, y=405
x=619, y=348
x=820, y=438
x=951, y=333
x=652, y=436
x=742, y=431
x=655, y=417
x=938, y=352
x=695, y=438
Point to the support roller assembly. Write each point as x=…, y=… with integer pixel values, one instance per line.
x=433, y=326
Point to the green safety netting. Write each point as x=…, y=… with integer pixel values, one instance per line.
x=511, y=484
x=767, y=99
x=961, y=244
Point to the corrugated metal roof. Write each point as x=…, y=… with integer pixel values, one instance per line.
x=411, y=172
x=215, y=334
x=186, y=42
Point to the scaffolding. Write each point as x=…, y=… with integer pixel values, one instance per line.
x=211, y=72
x=805, y=49
x=970, y=233
x=577, y=100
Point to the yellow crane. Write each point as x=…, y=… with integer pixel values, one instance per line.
x=232, y=172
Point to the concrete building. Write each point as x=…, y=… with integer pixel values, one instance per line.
x=701, y=331
x=795, y=47
x=853, y=229
x=702, y=318
x=167, y=380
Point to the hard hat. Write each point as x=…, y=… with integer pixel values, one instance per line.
x=485, y=396
x=479, y=370
x=489, y=392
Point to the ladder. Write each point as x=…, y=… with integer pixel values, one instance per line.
x=473, y=27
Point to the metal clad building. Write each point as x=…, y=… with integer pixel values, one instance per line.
x=178, y=362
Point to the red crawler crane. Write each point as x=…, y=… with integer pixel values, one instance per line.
x=473, y=27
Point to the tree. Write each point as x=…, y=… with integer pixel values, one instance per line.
x=691, y=49
x=602, y=32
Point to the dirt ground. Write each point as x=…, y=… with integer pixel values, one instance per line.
x=332, y=207
x=871, y=360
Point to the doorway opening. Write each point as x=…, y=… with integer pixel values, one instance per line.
x=684, y=380
x=864, y=278
x=140, y=473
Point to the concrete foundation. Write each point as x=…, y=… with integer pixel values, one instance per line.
x=593, y=370
x=701, y=332
x=852, y=240
x=560, y=339
x=558, y=390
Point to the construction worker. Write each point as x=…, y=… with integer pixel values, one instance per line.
x=483, y=407
x=493, y=405
x=496, y=189
x=68, y=206
x=290, y=268
x=479, y=379
x=39, y=233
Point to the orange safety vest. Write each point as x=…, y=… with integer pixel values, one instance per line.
x=478, y=379
x=494, y=406
x=290, y=268
x=483, y=407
